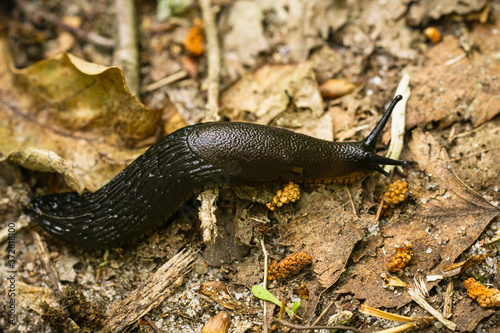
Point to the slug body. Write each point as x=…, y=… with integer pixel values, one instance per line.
x=195, y=157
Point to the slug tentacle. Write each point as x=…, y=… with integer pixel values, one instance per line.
x=158, y=182
x=371, y=139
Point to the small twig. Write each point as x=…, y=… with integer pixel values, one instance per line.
x=41, y=248
x=325, y=311
x=352, y=202
x=206, y=214
x=421, y=301
x=127, y=52
x=303, y=328
x=265, y=281
x=36, y=13
x=474, y=154
x=213, y=60
x=448, y=300
x=455, y=60
x=151, y=293
x=453, y=136
x=152, y=325
x=165, y=81
x=379, y=210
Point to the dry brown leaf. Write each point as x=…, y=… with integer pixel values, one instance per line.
x=245, y=39
x=70, y=116
x=268, y=92
x=326, y=229
x=446, y=219
x=464, y=90
x=217, y=290
x=467, y=314
x=425, y=10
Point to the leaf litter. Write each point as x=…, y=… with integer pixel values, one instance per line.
x=349, y=250
x=57, y=114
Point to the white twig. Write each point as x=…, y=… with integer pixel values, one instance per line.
x=127, y=52
x=165, y=81
x=213, y=60
x=398, y=121
x=265, y=280
x=420, y=301
x=206, y=214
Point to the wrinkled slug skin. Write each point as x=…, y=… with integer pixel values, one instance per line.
x=155, y=185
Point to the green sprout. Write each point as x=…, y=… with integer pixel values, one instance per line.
x=264, y=294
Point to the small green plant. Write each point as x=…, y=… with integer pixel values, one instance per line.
x=264, y=294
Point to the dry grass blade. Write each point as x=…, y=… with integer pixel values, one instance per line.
x=410, y=321
x=368, y=310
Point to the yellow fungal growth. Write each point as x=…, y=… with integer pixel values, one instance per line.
x=395, y=194
x=194, y=41
x=289, y=266
x=401, y=259
x=486, y=297
x=290, y=193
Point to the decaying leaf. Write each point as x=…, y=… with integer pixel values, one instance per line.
x=431, y=9
x=217, y=290
x=460, y=267
x=269, y=92
x=458, y=90
x=326, y=229
x=66, y=115
x=445, y=220
x=246, y=38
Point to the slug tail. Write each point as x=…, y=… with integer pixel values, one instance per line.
x=137, y=200
x=371, y=139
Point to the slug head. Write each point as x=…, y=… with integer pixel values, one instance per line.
x=370, y=158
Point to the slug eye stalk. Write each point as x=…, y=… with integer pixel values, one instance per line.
x=371, y=157
x=371, y=139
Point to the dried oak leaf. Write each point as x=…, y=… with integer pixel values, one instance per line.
x=447, y=219
x=266, y=94
x=66, y=115
x=461, y=90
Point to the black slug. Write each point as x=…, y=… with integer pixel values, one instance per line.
x=195, y=157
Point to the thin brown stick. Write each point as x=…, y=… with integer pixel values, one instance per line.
x=126, y=51
x=325, y=311
x=324, y=327
x=474, y=154
x=41, y=248
x=152, y=324
x=213, y=60
x=34, y=14
x=448, y=300
x=379, y=210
